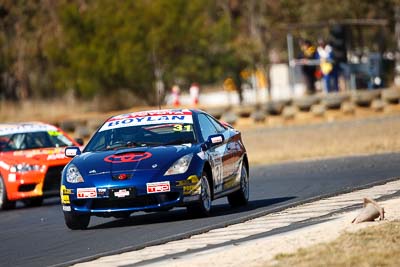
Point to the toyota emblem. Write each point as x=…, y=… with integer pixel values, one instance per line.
x=128, y=157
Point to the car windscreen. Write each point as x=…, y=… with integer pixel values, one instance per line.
x=33, y=140
x=141, y=136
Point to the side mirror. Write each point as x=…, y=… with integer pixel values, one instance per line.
x=72, y=151
x=213, y=140
x=80, y=141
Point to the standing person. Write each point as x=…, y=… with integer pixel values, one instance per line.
x=194, y=93
x=328, y=67
x=308, y=53
x=176, y=91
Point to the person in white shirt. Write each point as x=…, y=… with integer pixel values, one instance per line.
x=328, y=67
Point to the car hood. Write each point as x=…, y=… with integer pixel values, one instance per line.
x=130, y=159
x=35, y=156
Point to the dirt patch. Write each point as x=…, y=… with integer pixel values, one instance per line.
x=345, y=138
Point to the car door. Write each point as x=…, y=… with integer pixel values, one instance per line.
x=216, y=155
x=232, y=155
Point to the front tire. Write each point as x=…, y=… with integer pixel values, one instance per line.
x=241, y=197
x=76, y=221
x=5, y=204
x=203, y=207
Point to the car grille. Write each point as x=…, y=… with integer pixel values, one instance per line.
x=137, y=202
x=26, y=187
x=52, y=180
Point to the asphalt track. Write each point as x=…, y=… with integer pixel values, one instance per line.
x=38, y=236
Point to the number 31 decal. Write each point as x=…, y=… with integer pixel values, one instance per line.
x=182, y=128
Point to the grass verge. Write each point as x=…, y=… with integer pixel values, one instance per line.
x=372, y=246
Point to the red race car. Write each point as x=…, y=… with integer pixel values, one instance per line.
x=31, y=161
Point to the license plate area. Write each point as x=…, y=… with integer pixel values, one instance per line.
x=122, y=193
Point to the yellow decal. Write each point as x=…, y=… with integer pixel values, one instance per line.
x=66, y=191
x=53, y=133
x=191, y=185
x=182, y=128
x=193, y=179
x=191, y=189
x=65, y=199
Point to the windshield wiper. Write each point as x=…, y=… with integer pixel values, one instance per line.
x=179, y=142
x=151, y=143
x=119, y=145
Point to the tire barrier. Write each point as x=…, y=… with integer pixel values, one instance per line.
x=258, y=115
x=289, y=112
x=244, y=111
x=275, y=107
x=364, y=98
x=318, y=110
x=391, y=96
x=334, y=100
x=318, y=105
x=305, y=103
x=216, y=112
x=378, y=105
x=288, y=109
x=229, y=117
x=347, y=108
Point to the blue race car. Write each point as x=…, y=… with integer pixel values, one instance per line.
x=152, y=161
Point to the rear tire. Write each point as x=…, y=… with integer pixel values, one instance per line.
x=5, y=204
x=203, y=207
x=241, y=197
x=76, y=221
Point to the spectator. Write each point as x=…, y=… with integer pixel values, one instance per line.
x=175, y=95
x=194, y=93
x=328, y=67
x=308, y=53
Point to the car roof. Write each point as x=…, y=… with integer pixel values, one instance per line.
x=148, y=117
x=154, y=112
x=25, y=127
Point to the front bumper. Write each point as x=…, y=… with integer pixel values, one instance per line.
x=26, y=185
x=145, y=202
x=34, y=183
x=100, y=200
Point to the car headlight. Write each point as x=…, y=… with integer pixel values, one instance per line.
x=180, y=166
x=73, y=175
x=24, y=167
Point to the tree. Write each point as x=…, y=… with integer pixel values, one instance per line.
x=97, y=47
